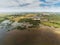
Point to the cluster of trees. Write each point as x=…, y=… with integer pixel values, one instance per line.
x=35, y=23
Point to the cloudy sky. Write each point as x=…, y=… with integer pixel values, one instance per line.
x=30, y=5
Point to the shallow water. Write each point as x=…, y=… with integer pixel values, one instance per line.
x=33, y=37
x=3, y=31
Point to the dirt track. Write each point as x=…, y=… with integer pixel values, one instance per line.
x=42, y=36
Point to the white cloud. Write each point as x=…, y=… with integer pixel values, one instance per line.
x=34, y=5
x=52, y=1
x=13, y=10
x=17, y=3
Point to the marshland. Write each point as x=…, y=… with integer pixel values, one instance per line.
x=41, y=28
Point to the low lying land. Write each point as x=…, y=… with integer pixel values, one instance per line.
x=31, y=29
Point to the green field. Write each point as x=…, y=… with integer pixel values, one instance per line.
x=52, y=20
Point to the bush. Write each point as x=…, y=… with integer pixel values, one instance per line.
x=31, y=21
x=21, y=28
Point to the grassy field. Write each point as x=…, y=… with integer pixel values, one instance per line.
x=52, y=20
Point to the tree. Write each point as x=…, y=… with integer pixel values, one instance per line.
x=34, y=23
